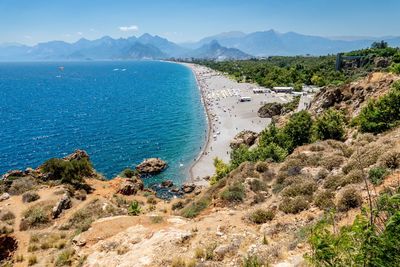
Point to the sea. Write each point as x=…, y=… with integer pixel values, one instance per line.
x=119, y=112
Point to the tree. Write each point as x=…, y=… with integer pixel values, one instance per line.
x=330, y=125
x=298, y=129
x=379, y=45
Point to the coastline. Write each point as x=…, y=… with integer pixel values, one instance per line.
x=225, y=115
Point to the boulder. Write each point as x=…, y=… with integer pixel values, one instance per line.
x=247, y=138
x=151, y=166
x=4, y=196
x=167, y=183
x=188, y=188
x=63, y=204
x=270, y=110
x=131, y=186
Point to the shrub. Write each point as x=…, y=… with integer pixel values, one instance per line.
x=233, y=193
x=221, y=170
x=262, y=166
x=294, y=205
x=7, y=216
x=32, y=260
x=65, y=258
x=22, y=185
x=349, y=199
x=195, y=208
x=392, y=159
x=134, y=208
x=322, y=174
x=298, y=129
x=30, y=197
x=129, y=173
x=332, y=161
x=330, y=125
x=261, y=216
x=381, y=114
x=301, y=187
x=36, y=216
x=252, y=261
x=324, y=200
x=376, y=175
x=395, y=68
x=151, y=200
x=257, y=185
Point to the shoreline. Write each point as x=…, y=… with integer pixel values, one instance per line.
x=225, y=116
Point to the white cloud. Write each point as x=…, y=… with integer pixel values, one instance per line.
x=132, y=28
x=79, y=33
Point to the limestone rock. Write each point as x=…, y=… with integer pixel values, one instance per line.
x=77, y=155
x=4, y=196
x=63, y=204
x=245, y=137
x=188, y=188
x=131, y=186
x=270, y=110
x=151, y=166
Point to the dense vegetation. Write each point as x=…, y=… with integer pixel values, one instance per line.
x=300, y=70
x=381, y=114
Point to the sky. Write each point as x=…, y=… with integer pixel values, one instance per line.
x=33, y=21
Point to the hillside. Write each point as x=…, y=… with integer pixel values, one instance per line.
x=260, y=208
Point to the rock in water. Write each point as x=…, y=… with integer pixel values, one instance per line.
x=167, y=183
x=245, y=137
x=151, y=166
x=131, y=186
x=63, y=204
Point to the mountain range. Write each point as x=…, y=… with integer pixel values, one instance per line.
x=229, y=45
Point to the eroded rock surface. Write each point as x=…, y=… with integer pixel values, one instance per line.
x=151, y=166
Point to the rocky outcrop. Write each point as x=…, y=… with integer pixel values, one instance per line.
x=13, y=173
x=63, y=204
x=188, y=188
x=142, y=247
x=350, y=97
x=151, y=166
x=245, y=137
x=270, y=110
x=130, y=186
x=77, y=155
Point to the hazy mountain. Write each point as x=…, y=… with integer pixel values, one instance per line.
x=269, y=43
x=228, y=45
x=214, y=50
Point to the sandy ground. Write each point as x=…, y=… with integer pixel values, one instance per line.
x=226, y=115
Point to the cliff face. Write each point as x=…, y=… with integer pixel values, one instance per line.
x=350, y=97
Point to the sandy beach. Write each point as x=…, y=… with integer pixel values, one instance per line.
x=227, y=116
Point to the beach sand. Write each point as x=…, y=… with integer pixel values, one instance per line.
x=226, y=116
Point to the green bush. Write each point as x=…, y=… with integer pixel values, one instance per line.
x=65, y=258
x=392, y=159
x=253, y=261
x=195, y=208
x=261, y=216
x=330, y=125
x=376, y=175
x=233, y=193
x=294, y=205
x=134, y=208
x=395, y=68
x=129, y=173
x=298, y=129
x=71, y=172
x=324, y=200
x=221, y=170
x=381, y=114
x=36, y=216
x=349, y=199
x=30, y=197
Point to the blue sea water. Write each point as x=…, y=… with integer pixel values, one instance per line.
x=119, y=112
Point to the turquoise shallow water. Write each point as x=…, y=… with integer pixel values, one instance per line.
x=119, y=112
